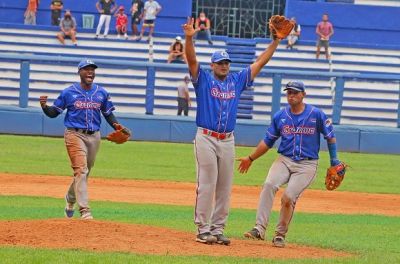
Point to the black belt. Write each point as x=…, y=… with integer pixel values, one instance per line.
x=84, y=131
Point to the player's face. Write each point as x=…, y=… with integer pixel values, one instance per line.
x=87, y=75
x=294, y=97
x=221, y=69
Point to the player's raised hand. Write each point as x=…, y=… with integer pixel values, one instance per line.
x=43, y=100
x=188, y=28
x=244, y=165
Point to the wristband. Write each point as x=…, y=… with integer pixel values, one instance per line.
x=250, y=159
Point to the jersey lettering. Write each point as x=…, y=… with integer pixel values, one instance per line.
x=86, y=105
x=289, y=130
x=215, y=92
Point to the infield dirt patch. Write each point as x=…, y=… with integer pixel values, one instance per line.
x=178, y=193
x=103, y=236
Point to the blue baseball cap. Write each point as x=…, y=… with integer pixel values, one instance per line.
x=86, y=62
x=295, y=85
x=220, y=56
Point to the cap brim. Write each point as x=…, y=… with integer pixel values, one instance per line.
x=293, y=88
x=93, y=65
x=223, y=59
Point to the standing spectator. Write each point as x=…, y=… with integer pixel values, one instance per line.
x=137, y=15
x=68, y=28
x=56, y=8
x=30, y=12
x=122, y=22
x=204, y=25
x=151, y=10
x=294, y=34
x=324, y=31
x=217, y=97
x=105, y=8
x=183, y=97
x=176, y=51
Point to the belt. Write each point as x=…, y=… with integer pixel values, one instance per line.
x=217, y=134
x=83, y=131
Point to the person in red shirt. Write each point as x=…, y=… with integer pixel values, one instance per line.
x=324, y=31
x=203, y=25
x=30, y=12
x=122, y=22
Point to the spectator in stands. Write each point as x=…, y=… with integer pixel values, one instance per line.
x=176, y=51
x=30, y=12
x=122, y=22
x=105, y=8
x=151, y=10
x=324, y=31
x=203, y=25
x=294, y=34
x=68, y=28
x=56, y=8
x=137, y=15
x=183, y=97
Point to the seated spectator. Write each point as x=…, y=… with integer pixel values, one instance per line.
x=56, y=8
x=68, y=28
x=30, y=12
x=203, y=26
x=151, y=10
x=294, y=34
x=176, y=51
x=122, y=22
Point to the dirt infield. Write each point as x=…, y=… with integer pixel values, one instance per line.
x=118, y=237
x=102, y=236
x=176, y=193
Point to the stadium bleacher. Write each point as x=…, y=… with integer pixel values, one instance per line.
x=365, y=102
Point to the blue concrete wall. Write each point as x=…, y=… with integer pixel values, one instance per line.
x=170, y=18
x=352, y=23
x=31, y=121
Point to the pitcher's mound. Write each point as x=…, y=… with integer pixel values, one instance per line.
x=142, y=239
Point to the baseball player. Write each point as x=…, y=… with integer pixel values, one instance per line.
x=299, y=125
x=85, y=102
x=217, y=97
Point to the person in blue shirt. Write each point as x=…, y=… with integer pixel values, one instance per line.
x=217, y=97
x=299, y=125
x=85, y=102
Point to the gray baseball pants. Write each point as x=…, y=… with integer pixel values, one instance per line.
x=298, y=176
x=82, y=150
x=215, y=164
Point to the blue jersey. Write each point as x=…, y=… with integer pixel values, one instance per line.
x=217, y=101
x=84, y=106
x=300, y=134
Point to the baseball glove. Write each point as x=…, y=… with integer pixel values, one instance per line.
x=120, y=135
x=335, y=175
x=280, y=27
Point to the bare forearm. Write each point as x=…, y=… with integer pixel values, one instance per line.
x=263, y=58
x=190, y=54
x=260, y=150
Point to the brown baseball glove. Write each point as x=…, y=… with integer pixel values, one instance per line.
x=280, y=27
x=120, y=135
x=335, y=175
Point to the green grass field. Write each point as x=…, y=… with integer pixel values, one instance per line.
x=371, y=238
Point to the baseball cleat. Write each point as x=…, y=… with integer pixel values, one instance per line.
x=254, y=234
x=278, y=241
x=86, y=215
x=69, y=208
x=222, y=240
x=206, y=238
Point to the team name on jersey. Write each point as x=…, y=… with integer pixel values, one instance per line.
x=288, y=130
x=86, y=105
x=215, y=92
